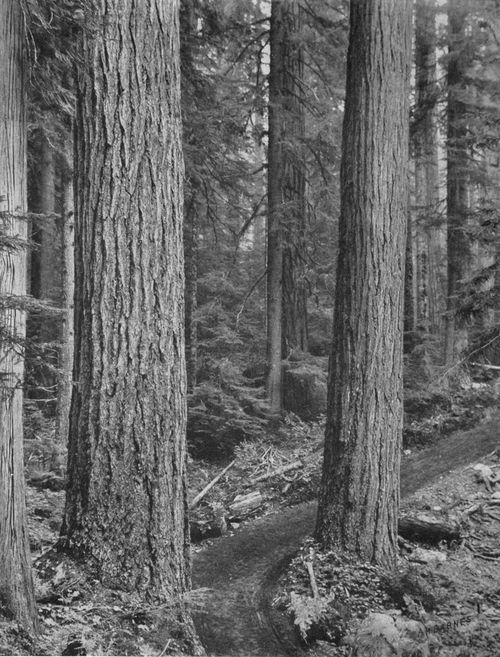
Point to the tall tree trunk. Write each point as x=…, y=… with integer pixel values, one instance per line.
x=459, y=245
x=126, y=497
x=275, y=211
x=286, y=289
x=430, y=298
x=292, y=110
x=359, y=494
x=16, y=585
x=66, y=353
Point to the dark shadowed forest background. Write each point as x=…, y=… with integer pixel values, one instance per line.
x=220, y=171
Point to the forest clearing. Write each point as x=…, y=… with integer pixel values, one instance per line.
x=250, y=327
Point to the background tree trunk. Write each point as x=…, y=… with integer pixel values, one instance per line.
x=430, y=308
x=16, y=585
x=47, y=277
x=359, y=494
x=275, y=211
x=459, y=245
x=410, y=295
x=126, y=496
x=292, y=110
x=43, y=328
x=188, y=23
x=65, y=383
x=191, y=289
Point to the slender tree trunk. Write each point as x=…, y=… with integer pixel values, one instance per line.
x=430, y=298
x=49, y=279
x=410, y=294
x=16, y=585
x=292, y=110
x=275, y=212
x=126, y=497
x=359, y=494
x=44, y=329
x=286, y=288
x=188, y=26
x=459, y=245
x=191, y=290
x=42, y=201
x=66, y=354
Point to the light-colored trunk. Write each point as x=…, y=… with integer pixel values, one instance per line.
x=67, y=324
x=275, y=215
x=425, y=144
x=458, y=201
x=49, y=234
x=16, y=585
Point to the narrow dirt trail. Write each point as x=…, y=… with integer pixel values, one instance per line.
x=233, y=619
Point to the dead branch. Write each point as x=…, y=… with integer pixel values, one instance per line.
x=487, y=366
x=201, y=495
x=312, y=579
x=274, y=473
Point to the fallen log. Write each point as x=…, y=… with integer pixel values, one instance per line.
x=202, y=494
x=275, y=473
x=244, y=504
x=428, y=529
x=47, y=481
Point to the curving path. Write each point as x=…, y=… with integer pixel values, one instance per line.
x=234, y=619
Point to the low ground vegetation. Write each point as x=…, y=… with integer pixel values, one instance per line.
x=271, y=465
x=443, y=599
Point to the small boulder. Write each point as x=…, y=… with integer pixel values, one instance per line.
x=304, y=390
x=208, y=523
x=421, y=555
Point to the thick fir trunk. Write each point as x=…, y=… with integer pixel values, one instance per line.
x=429, y=297
x=275, y=212
x=16, y=585
x=359, y=494
x=126, y=496
x=459, y=245
x=66, y=352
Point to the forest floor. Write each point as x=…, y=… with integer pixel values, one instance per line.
x=453, y=588
x=241, y=610
x=240, y=604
